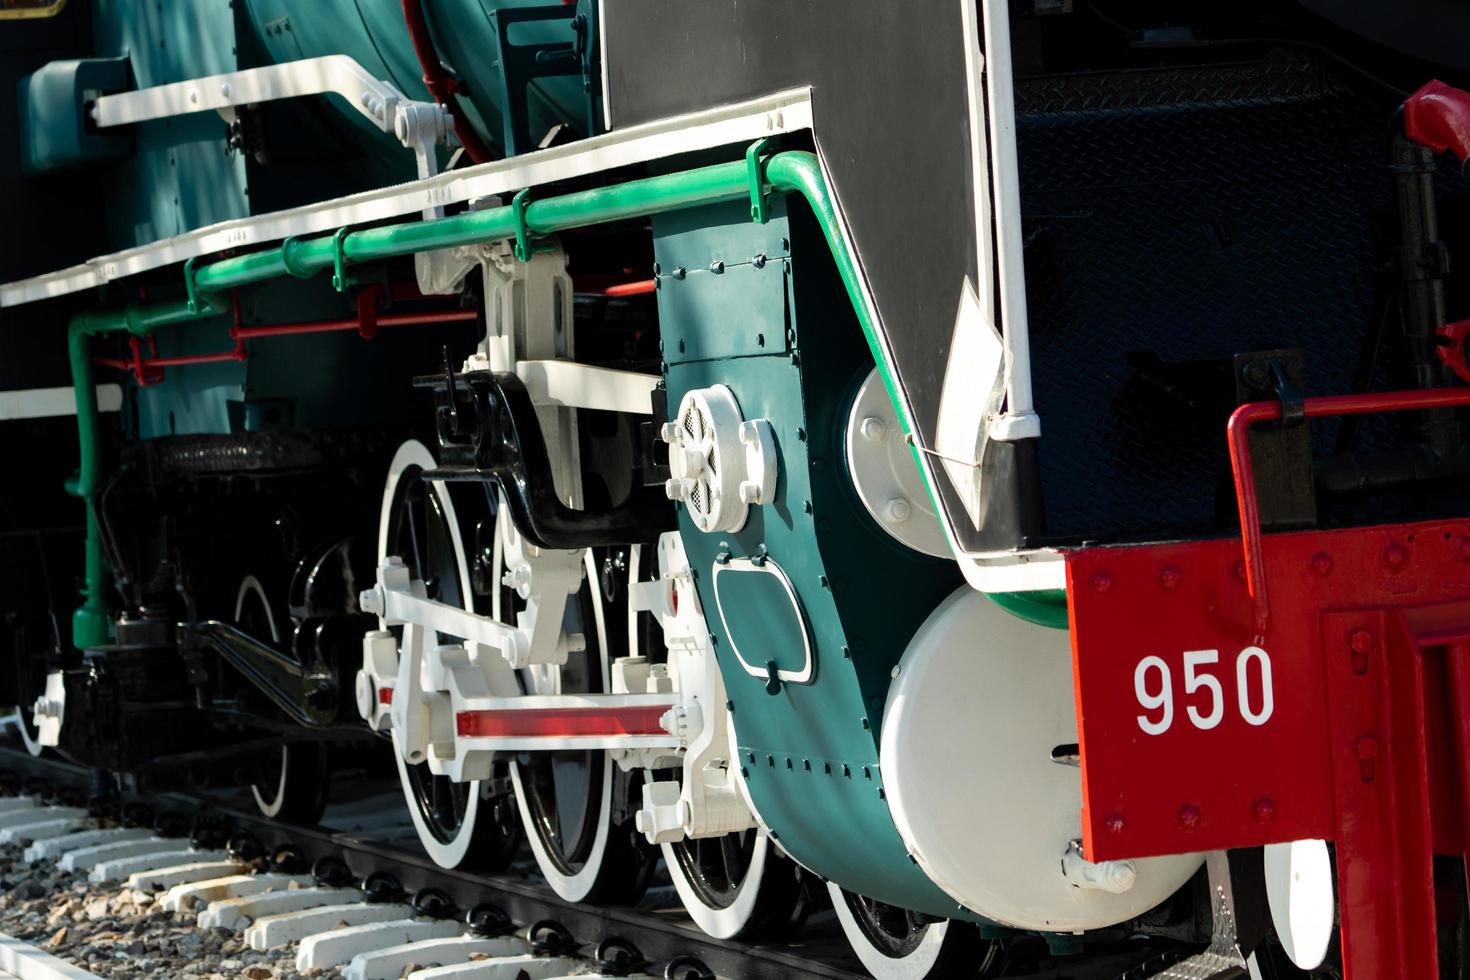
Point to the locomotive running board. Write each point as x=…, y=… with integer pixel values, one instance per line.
x=782, y=112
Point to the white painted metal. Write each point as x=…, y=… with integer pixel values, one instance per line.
x=162, y=859
x=744, y=566
x=182, y=874
x=388, y=964
x=740, y=122
x=884, y=474
x=720, y=464
x=338, y=946
x=975, y=678
x=40, y=830
x=189, y=895
x=335, y=74
x=237, y=913
x=274, y=931
x=25, y=962
x=54, y=847
x=916, y=964
x=572, y=385
x=503, y=968
x=24, y=816
x=49, y=710
x=1300, y=894
x=85, y=858
x=1020, y=420
x=40, y=403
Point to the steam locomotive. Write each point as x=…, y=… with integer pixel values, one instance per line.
x=998, y=468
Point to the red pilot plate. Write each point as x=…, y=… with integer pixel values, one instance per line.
x=1198, y=734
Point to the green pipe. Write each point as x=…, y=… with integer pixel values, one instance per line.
x=89, y=621
x=785, y=172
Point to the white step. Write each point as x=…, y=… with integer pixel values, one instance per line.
x=237, y=913
x=26, y=962
x=169, y=857
x=503, y=968
x=272, y=931
x=24, y=815
x=183, y=874
x=56, y=846
x=10, y=804
x=41, y=829
x=338, y=946
x=230, y=886
x=85, y=858
x=388, y=964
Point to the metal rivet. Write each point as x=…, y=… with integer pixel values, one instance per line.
x=1189, y=816
x=1101, y=582
x=1322, y=563
x=1113, y=824
x=1361, y=641
x=1264, y=810
x=1170, y=578
x=1395, y=557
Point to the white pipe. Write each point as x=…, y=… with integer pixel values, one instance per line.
x=1020, y=420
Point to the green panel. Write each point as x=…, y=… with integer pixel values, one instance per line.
x=810, y=751
x=766, y=628
x=735, y=267
x=180, y=177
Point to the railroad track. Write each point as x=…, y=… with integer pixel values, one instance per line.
x=215, y=884
x=243, y=867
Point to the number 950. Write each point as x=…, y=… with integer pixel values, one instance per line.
x=1153, y=683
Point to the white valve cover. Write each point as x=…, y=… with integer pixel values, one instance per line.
x=980, y=700
x=885, y=474
x=720, y=464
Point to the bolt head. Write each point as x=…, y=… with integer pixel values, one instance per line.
x=1360, y=640
x=1190, y=817
x=873, y=429
x=1366, y=747
x=1321, y=563
x=897, y=510
x=1113, y=824
x=1170, y=578
x=1101, y=582
x=1395, y=557
x=1263, y=810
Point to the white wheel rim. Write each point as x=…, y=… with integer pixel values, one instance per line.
x=722, y=923
x=1299, y=893
x=915, y=966
x=574, y=887
x=32, y=746
x=250, y=586
x=414, y=454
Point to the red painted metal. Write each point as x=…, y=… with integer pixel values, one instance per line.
x=1451, y=350
x=353, y=323
x=1368, y=739
x=640, y=288
x=561, y=722
x=438, y=81
x=1327, y=405
x=385, y=695
x=1438, y=117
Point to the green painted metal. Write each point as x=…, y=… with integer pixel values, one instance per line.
x=90, y=621
x=810, y=751
x=55, y=134
x=1046, y=607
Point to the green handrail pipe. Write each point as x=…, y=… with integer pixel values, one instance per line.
x=783, y=172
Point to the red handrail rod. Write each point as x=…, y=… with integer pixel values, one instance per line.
x=1320, y=407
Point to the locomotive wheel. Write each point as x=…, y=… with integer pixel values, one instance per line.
x=457, y=823
x=895, y=944
x=566, y=798
x=291, y=786
x=734, y=885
